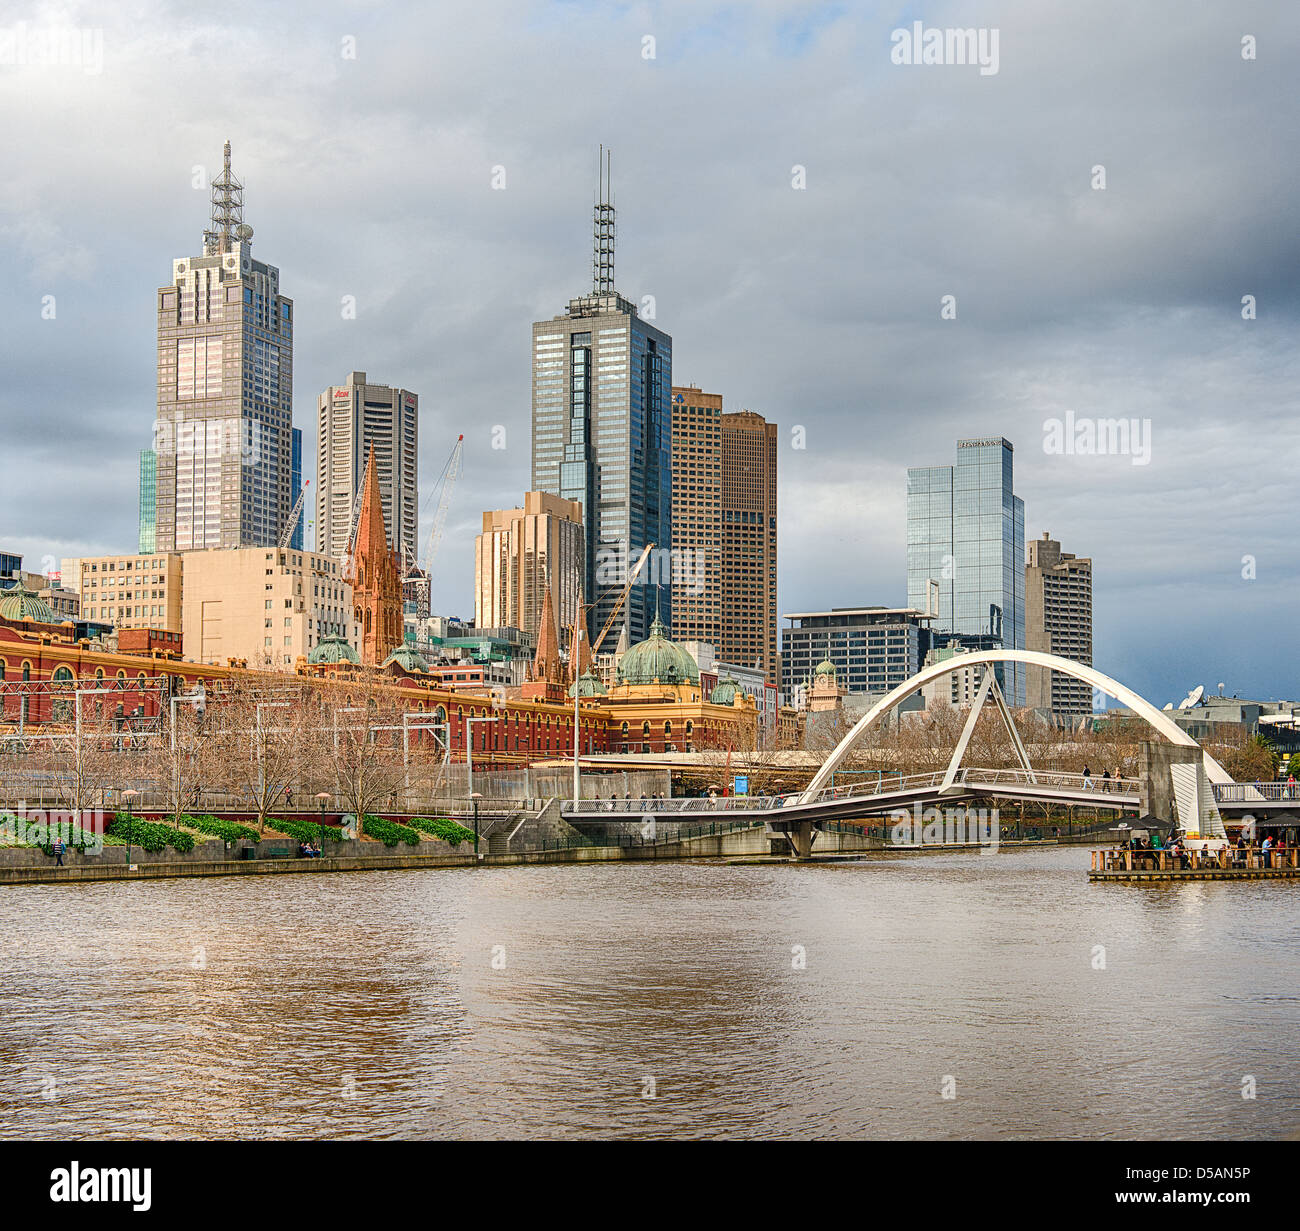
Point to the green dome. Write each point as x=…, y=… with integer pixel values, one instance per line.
x=657, y=658
x=407, y=658
x=333, y=650
x=587, y=685
x=825, y=667
x=725, y=693
x=20, y=603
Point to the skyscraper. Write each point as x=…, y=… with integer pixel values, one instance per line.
x=223, y=435
x=966, y=532
x=521, y=555
x=351, y=418
x=601, y=434
x=1058, y=620
x=148, y=501
x=724, y=529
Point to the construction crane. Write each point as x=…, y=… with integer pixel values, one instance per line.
x=622, y=598
x=287, y=533
x=447, y=481
x=352, y=524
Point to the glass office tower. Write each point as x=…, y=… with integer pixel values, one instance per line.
x=966, y=531
x=148, y=502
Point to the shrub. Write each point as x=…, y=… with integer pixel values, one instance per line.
x=227, y=831
x=451, y=832
x=149, y=834
x=304, y=831
x=389, y=833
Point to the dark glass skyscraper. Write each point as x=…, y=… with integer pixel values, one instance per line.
x=966, y=532
x=602, y=419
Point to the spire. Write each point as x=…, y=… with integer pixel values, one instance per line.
x=372, y=572
x=546, y=662
x=227, y=210
x=602, y=258
x=579, y=642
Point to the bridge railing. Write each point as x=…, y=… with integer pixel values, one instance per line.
x=1256, y=792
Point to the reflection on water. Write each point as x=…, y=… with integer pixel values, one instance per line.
x=643, y=1001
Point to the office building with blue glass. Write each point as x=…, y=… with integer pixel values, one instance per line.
x=966, y=534
x=602, y=421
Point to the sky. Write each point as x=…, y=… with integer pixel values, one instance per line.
x=798, y=205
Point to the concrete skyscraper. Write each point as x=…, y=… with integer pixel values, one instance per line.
x=966, y=532
x=601, y=435
x=1058, y=620
x=351, y=418
x=223, y=436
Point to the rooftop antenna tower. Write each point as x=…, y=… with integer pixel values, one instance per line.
x=602, y=260
x=227, y=210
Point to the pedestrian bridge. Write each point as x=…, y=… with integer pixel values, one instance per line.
x=798, y=816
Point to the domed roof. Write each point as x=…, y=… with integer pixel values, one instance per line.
x=587, y=685
x=657, y=658
x=825, y=667
x=333, y=650
x=19, y=603
x=725, y=692
x=406, y=657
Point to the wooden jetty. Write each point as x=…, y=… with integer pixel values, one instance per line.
x=1235, y=863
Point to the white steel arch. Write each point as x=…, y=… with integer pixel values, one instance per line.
x=1155, y=718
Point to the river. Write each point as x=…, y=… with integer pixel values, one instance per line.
x=640, y=1001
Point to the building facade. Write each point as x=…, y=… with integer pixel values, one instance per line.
x=1058, y=620
x=351, y=418
x=138, y=591
x=263, y=606
x=697, y=512
x=601, y=418
x=148, y=539
x=873, y=649
x=223, y=436
x=966, y=533
x=523, y=552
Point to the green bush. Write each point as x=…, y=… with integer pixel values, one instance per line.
x=149, y=834
x=304, y=831
x=451, y=832
x=227, y=831
x=388, y=833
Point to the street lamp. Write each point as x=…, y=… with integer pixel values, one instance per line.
x=130, y=820
x=320, y=799
x=475, y=796
x=469, y=750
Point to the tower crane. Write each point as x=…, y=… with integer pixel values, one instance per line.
x=622, y=598
x=287, y=533
x=447, y=481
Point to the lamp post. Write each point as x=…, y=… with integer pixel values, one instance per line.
x=321, y=797
x=475, y=796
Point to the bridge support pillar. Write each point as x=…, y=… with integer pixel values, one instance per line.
x=801, y=835
x=1155, y=764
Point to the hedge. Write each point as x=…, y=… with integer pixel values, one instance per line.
x=451, y=832
x=149, y=834
x=304, y=831
x=389, y=833
x=227, y=831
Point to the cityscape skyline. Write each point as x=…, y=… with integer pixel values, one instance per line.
x=1153, y=343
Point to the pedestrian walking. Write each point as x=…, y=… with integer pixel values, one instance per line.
x=1087, y=779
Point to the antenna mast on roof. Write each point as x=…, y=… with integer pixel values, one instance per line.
x=602, y=260
x=227, y=209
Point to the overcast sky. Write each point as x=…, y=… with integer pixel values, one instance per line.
x=372, y=176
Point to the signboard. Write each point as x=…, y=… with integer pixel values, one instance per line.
x=740, y=784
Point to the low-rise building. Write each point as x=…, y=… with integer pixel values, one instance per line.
x=128, y=591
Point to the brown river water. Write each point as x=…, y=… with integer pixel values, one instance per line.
x=669, y=1000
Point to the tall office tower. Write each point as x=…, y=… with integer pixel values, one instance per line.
x=1058, y=620
x=697, y=515
x=601, y=430
x=223, y=435
x=521, y=554
x=351, y=418
x=966, y=531
x=148, y=501
x=748, y=625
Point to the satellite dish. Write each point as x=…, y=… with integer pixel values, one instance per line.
x=1193, y=697
x=243, y=232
